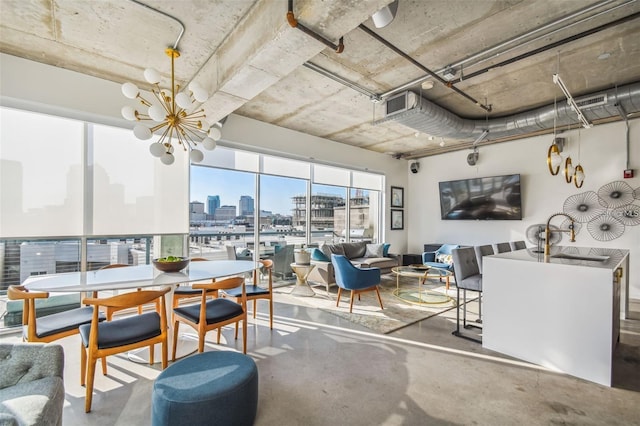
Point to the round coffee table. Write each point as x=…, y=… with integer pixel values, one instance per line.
x=422, y=273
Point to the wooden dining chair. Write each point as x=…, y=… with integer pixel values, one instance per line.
x=255, y=292
x=213, y=314
x=101, y=339
x=109, y=311
x=49, y=327
x=185, y=291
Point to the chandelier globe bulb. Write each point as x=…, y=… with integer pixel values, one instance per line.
x=157, y=149
x=157, y=113
x=142, y=132
x=130, y=90
x=152, y=76
x=196, y=155
x=128, y=113
x=167, y=158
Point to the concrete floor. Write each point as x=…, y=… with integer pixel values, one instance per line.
x=318, y=369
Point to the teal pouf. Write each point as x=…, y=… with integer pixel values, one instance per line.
x=211, y=388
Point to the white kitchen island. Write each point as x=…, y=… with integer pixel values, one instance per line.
x=564, y=314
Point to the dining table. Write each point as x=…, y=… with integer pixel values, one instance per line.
x=141, y=276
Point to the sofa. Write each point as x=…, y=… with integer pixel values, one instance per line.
x=361, y=254
x=31, y=384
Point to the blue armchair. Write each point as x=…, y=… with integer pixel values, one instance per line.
x=356, y=280
x=440, y=258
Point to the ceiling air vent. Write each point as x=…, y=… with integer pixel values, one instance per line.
x=591, y=101
x=400, y=103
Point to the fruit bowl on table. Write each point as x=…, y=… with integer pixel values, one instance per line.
x=171, y=263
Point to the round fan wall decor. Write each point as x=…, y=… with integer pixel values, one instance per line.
x=605, y=228
x=536, y=235
x=583, y=207
x=629, y=214
x=615, y=194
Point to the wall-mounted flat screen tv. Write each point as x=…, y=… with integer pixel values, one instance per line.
x=486, y=198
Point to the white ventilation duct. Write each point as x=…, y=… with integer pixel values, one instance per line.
x=420, y=114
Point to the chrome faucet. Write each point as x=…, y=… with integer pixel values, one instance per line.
x=548, y=231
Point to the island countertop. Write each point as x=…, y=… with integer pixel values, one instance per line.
x=592, y=257
x=563, y=314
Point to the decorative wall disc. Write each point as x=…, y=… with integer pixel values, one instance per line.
x=615, y=194
x=536, y=235
x=629, y=214
x=636, y=193
x=583, y=207
x=605, y=228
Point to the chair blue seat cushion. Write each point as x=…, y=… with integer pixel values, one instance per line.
x=211, y=388
x=218, y=310
x=64, y=321
x=124, y=331
x=252, y=290
x=438, y=265
x=185, y=289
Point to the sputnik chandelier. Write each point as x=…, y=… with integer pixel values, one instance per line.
x=175, y=114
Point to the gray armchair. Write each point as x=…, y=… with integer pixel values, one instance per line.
x=282, y=261
x=31, y=384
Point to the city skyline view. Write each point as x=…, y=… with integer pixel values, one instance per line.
x=230, y=185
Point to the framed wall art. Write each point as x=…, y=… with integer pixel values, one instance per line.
x=397, y=219
x=397, y=197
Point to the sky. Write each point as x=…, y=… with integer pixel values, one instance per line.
x=229, y=185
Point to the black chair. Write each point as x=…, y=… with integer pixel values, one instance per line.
x=468, y=277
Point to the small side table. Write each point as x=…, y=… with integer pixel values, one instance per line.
x=302, y=287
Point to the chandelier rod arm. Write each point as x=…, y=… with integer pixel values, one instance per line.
x=175, y=45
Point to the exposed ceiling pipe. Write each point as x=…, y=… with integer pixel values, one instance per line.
x=422, y=67
x=511, y=41
x=339, y=79
x=624, y=116
x=175, y=45
x=427, y=117
x=293, y=22
x=550, y=46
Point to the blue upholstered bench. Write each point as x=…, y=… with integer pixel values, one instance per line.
x=211, y=388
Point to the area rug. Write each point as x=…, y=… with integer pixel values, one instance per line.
x=396, y=314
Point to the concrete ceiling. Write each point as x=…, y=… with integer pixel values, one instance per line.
x=255, y=64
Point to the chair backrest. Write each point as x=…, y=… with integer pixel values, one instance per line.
x=283, y=259
x=501, y=247
x=223, y=284
x=115, y=265
x=517, y=245
x=465, y=263
x=447, y=249
x=18, y=292
x=231, y=252
x=349, y=277
x=481, y=251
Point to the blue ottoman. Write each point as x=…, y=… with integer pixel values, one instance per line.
x=211, y=388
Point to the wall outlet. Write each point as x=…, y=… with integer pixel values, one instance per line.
x=628, y=173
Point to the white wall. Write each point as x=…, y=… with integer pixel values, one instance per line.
x=602, y=154
x=42, y=88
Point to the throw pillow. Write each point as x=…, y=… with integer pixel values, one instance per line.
x=318, y=255
x=385, y=249
x=444, y=258
x=374, y=250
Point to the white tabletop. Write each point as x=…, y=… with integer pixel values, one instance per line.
x=137, y=276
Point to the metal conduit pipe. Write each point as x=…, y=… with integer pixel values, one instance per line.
x=511, y=41
x=429, y=118
x=422, y=67
x=293, y=22
x=550, y=46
